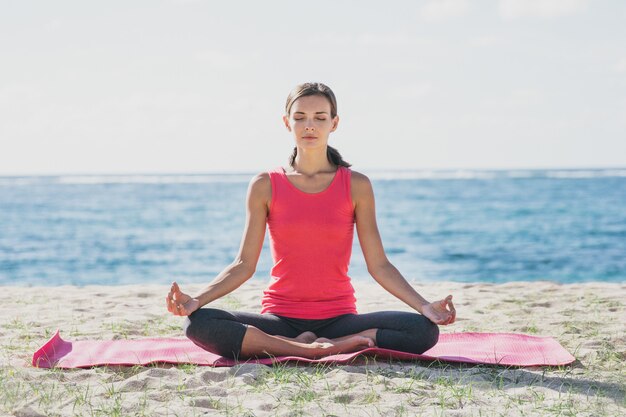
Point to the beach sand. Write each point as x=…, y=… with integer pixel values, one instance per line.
x=587, y=319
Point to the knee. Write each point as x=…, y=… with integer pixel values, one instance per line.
x=426, y=334
x=196, y=324
x=416, y=334
x=190, y=327
x=187, y=326
x=431, y=335
x=208, y=329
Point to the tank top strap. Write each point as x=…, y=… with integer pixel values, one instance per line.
x=345, y=173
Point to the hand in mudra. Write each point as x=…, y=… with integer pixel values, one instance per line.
x=439, y=313
x=179, y=303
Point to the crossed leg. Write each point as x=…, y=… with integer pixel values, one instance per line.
x=258, y=343
x=239, y=334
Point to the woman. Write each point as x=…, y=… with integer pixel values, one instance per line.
x=310, y=211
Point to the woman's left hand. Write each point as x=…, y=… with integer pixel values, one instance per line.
x=439, y=313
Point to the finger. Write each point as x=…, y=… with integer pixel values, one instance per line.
x=168, y=304
x=172, y=307
x=453, y=313
x=450, y=303
x=178, y=294
x=445, y=301
x=453, y=310
x=183, y=311
x=175, y=306
x=452, y=316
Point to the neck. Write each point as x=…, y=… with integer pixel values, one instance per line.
x=312, y=161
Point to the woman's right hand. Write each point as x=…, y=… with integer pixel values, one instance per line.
x=179, y=303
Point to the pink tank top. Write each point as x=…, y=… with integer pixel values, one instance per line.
x=311, y=244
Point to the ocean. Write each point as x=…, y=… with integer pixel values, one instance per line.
x=564, y=226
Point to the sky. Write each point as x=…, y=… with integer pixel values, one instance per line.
x=185, y=86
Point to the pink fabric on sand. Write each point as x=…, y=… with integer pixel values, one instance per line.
x=508, y=349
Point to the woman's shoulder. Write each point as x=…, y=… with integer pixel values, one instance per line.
x=360, y=185
x=359, y=179
x=264, y=176
x=260, y=184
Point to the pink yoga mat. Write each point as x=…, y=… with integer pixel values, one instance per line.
x=508, y=349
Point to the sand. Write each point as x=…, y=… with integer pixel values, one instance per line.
x=587, y=319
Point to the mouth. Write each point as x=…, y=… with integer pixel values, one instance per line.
x=309, y=137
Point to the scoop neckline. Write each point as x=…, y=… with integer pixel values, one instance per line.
x=304, y=192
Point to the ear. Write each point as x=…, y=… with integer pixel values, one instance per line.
x=286, y=122
x=335, y=123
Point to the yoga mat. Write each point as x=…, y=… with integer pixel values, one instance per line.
x=509, y=349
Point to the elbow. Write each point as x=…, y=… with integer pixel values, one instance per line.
x=375, y=270
x=246, y=269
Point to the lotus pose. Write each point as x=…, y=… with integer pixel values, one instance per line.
x=310, y=210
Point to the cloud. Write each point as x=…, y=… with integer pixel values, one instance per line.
x=437, y=10
x=512, y=9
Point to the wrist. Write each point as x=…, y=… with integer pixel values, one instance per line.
x=421, y=305
x=196, y=301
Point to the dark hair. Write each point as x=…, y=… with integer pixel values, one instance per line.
x=316, y=89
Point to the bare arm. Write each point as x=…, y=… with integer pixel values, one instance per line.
x=379, y=266
x=244, y=265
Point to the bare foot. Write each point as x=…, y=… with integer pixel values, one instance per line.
x=371, y=334
x=325, y=347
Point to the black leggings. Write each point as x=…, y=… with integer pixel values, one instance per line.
x=222, y=332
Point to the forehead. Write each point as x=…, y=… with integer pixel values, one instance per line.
x=311, y=104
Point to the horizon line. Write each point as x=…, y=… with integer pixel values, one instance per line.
x=252, y=171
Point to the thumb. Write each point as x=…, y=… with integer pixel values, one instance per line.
x=177, y=292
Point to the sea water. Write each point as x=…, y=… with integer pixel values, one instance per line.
x=489, y=226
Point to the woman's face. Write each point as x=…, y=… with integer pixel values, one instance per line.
x=310, y=121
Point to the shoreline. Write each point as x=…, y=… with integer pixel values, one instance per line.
x=586, y=318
